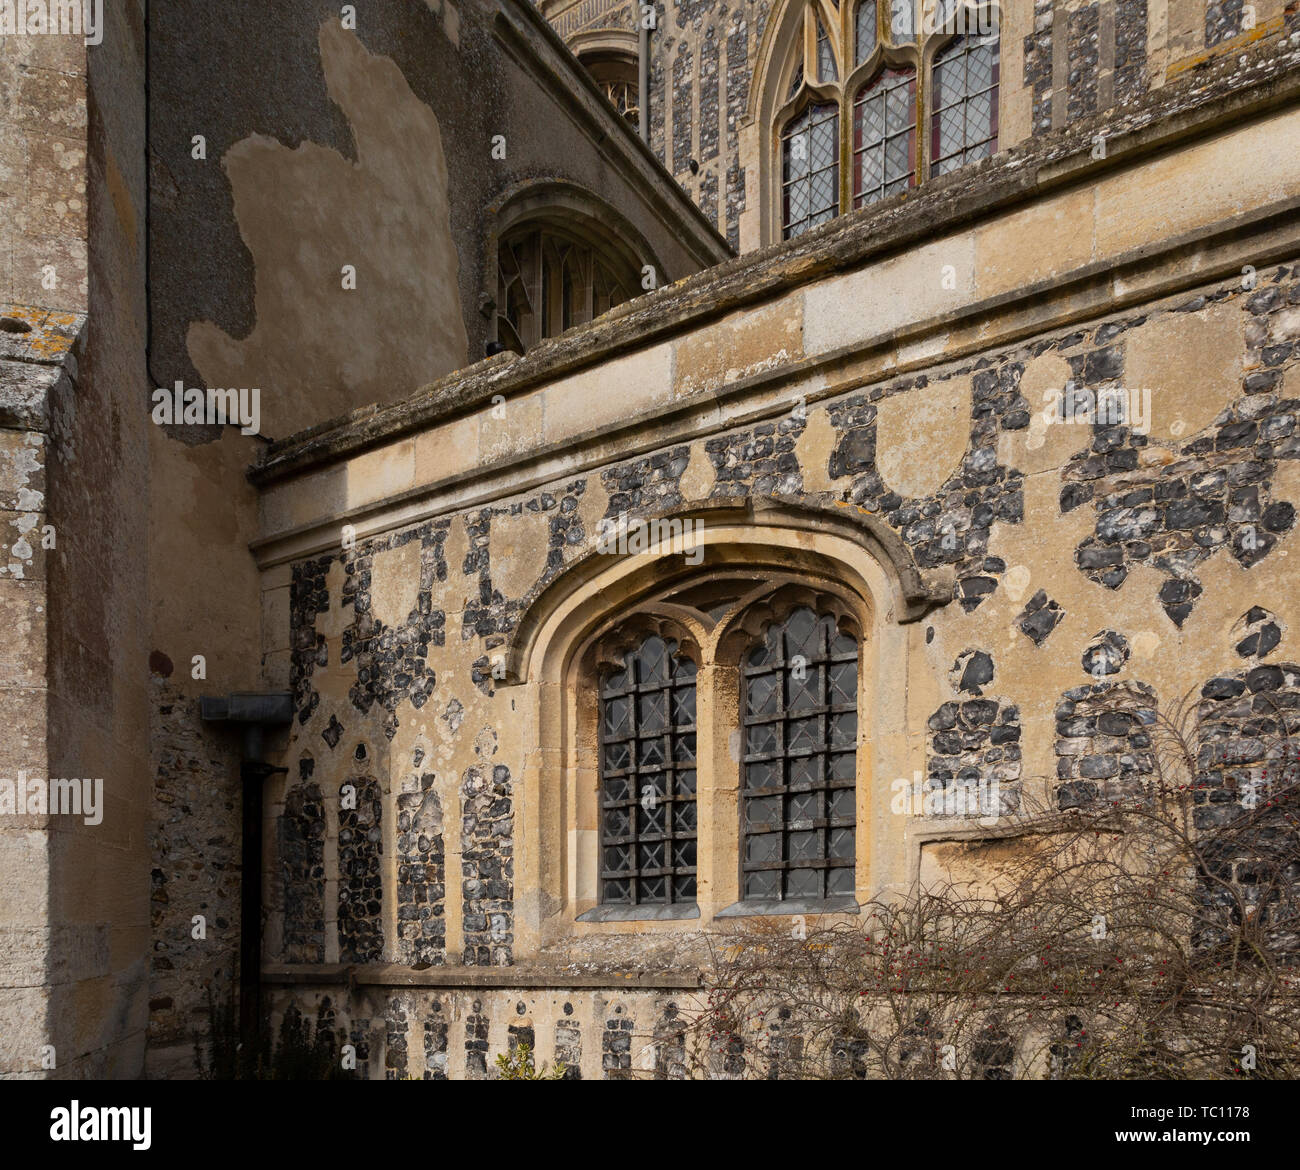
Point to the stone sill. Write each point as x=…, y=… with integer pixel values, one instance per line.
x=522, y=977
x=845, y=904
x=667, y=913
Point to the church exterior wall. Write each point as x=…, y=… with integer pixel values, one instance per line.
x=865, y=407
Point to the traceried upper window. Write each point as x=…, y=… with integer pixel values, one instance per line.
x=550, y=278
x=898, y=67
x=964, y=125
x=810, y=160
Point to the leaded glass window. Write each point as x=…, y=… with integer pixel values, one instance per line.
x=647, y=778
x=825, y=56
x=964, y=125
x=800, y=727
x=810, y=154
x=864, y=31
x=902, y=21
x=884, y=136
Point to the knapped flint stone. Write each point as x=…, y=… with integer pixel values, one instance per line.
x=1223, y=688
x=1077, y=794
x=977, y=673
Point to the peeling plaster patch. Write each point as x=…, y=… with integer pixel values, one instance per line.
x=304, y=213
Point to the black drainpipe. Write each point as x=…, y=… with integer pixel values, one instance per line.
x=254, y=713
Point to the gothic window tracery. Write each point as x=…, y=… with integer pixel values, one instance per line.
x=847, y=137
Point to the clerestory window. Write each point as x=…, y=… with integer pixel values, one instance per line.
x=894, y=67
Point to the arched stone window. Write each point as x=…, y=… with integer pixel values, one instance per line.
x=847, y=90
x=562, y=259
x=824, y=605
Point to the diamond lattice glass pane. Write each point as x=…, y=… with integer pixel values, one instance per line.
x=618, y=823
x=805, y=846
x=949, y=75
x=898, y=156
x=617, y=790
x=618, y=858
x=652, y=711
x=822, y=216
x=760, y=847
x=650, y=822
x=979, y=116
x=902, y=23
x=864, y=31
x=804, y=773
x=952, y=131
x=652, y=661
x=762, y=885
x=898, y=109
x=871, y=119
x=617, y=892
x=802, y=806
x=759, y=654
x=616, y=717
x=843, y=680
x=804, y=734
x=616, y=682
x=764, y=775
x=872, y=170
x=618, y=757
x=840, y=804
x=799, y=194
x=979, y=67
x=839, y=881
x=897, y=185
x=840, y=766
x=761, y=740
x=801, y=634
x=684, y=707
x=650, y=753
x=654, y=889
x=840, y=843
x=844, y=729
x=803, y=883
x=763, y=810
x=825, y=56
x=684, y=817
x=825, y=138
x=685, y=783
x=651, y=855
x=761, y=694
x=795, y=158
x=685, y=670
x=683, y=854
x=796, y=81
x=803, y=688
x=978, y=151
x=685, y=888
x=684, y=749
x=843, y=644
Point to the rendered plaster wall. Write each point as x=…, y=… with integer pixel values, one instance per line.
x=1074, y=562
